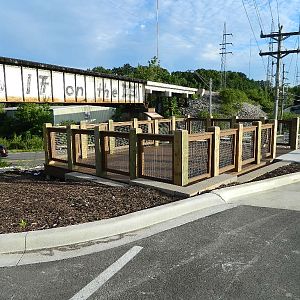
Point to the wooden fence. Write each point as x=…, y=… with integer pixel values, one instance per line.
x=165, y=150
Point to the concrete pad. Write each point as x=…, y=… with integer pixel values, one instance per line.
x=261, y=171
x=186, y=191
x=285, y=197
x=293, y=156
x=74, y=234
x=76, y=176
x=230, y=194
x=12, y=242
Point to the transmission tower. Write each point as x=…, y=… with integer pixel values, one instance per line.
x=279, y=37
x=223, y=53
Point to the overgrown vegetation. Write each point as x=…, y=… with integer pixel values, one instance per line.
x=24, y=131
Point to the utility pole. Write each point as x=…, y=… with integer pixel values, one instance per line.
x=279, y=37
x=223, y=53
x=210, y=97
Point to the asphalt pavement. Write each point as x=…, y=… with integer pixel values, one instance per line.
x=25, y=159
x=241, y=253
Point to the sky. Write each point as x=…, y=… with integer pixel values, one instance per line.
x=110, y=33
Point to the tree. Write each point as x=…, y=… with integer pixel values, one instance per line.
x=30, y=117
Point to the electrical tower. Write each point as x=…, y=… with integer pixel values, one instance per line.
x=279, y=37
x=283, y=91
x=223, y=53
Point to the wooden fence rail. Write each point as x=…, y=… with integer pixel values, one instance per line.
x=174, y=156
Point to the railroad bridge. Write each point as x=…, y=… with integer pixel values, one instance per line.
x=27, y=81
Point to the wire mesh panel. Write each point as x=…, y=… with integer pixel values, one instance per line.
x=248, y=151
x=146, y=126
x=181, y=124
x=84, y=147
x=121, y=142
x=227, y=150
x=156, y=160
x=115, y=159
x=164, y=126
x=266, y=140
x=222, y=123
x=197, y=125
x=58, y=144
x=283, y=132
x=199, y=157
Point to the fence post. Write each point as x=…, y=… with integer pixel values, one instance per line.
x=98, y=154
x=208, y=123
x=239, y=147
x=274, y=138
x=155, y=131
x=70, y=149
x=181, y=157
x=111, y=140
x=263, y=120
x=233, y=121
x=133, y=154
x=135, y=123
x=173, y=123
x=48, y=148
x=257, y=142
x=294, y=133
x=83, y=141
x=215, y=153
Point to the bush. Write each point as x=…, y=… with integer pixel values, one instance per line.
x=27, y=142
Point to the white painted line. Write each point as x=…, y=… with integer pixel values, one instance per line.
x=95, y=284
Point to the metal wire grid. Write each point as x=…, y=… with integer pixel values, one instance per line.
x=266, y=136
x=197, y=126
x=118, y=160
x=158, y=161
x=119, y=142
x=60, y=149
x=146, y=127
x=246, y=123
x=283, y=132
x=222, y=124
x=248, y=151
x=227, y=144
x=181, y=125
x=164, y=127
x=198, y=158
x=85, y=149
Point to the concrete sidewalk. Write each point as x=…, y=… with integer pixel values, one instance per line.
x=293, y=156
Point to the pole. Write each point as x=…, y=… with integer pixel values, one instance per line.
x=277, y=74
x=210, y=97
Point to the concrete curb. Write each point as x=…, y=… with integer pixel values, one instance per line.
x=74, y=234
x=230, y=194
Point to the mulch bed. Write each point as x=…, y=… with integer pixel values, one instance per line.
x=45, y=204
x=291, y=168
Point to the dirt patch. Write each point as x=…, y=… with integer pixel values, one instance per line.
x=291, y=168
x=43, y=204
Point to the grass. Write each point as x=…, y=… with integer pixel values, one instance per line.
x=3, y=163
x=19, y=143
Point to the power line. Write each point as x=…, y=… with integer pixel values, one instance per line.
x=279, y=37
x=254, y=35
x=258, y=16
x=271, y=11
x=277, y=6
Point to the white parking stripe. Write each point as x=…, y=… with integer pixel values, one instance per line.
x=95, y=284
